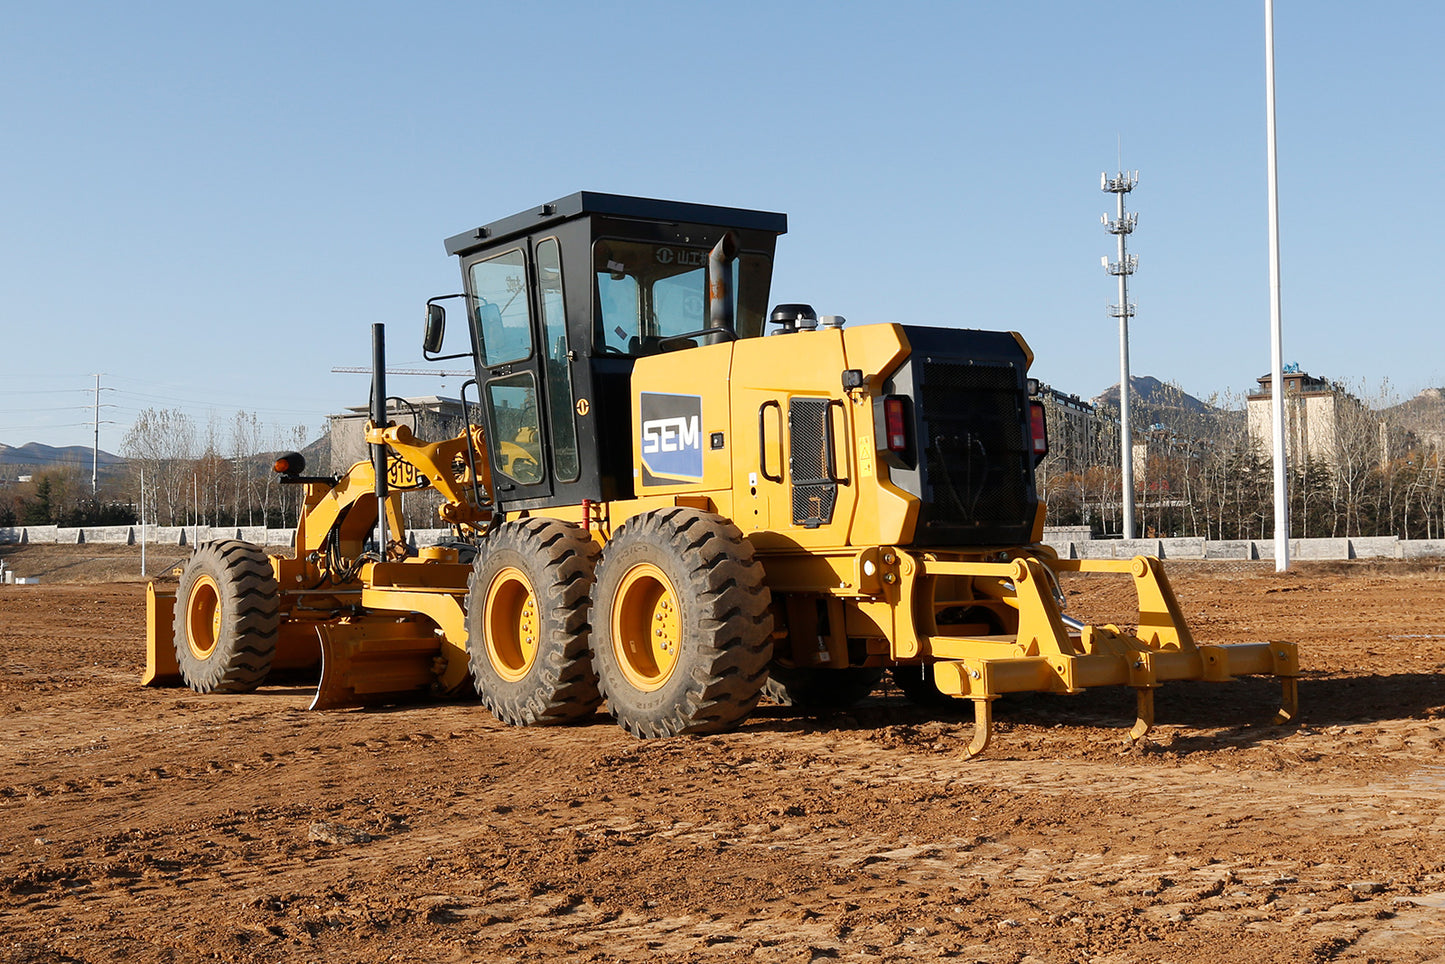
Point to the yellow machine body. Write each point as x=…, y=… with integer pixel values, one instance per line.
x=862, y=554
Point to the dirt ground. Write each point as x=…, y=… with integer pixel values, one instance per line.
x=159, y=825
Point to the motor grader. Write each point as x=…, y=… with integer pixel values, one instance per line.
x=678, y=501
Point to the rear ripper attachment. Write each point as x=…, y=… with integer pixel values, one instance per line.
x=1017, y=638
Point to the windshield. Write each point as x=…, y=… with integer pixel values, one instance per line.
x=647, y=293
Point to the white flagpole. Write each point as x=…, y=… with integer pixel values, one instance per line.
x=1276, y=338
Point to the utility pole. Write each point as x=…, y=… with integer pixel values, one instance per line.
x=1121, y=226
x=95, y=451
x=142, y=520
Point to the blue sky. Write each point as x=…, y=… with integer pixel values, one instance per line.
x=210, y=204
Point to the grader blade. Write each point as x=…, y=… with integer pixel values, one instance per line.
x=161, y=667
x=1051, y=653
x=371, y=663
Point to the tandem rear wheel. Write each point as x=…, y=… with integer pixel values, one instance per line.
x=681, y=624
x=527, y=628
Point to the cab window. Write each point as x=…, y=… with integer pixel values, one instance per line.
x=649, y=293
x=558, y=372
x=499, y=308
x=518, y=435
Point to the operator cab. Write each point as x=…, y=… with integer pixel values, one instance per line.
x=560, y=302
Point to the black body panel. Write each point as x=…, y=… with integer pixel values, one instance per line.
x=970, y=460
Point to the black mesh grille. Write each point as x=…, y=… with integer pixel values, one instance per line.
x=972, y=446
x=815, y=492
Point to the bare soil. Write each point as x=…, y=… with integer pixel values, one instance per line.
x=159, y=825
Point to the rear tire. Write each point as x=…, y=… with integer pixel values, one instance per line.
x=818, y=688
x=227, y=616
x=682, y=635
x=527, y=629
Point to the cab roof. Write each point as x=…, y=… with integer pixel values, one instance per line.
x=613, y=205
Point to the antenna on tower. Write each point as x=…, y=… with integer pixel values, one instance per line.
x=1121, y=226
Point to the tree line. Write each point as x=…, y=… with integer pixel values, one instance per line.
x=176, y=473
x=218, y=475
x=1198, y=472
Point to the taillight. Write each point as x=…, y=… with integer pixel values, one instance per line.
x=894, y=425
x=1038, y=429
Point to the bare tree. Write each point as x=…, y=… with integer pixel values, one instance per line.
x=162, y=445
x=245, y=447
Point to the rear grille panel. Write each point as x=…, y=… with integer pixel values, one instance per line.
x=971, y=444
x=972, y=464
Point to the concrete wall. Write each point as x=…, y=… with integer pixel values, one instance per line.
x=1069, y=543
x=153, y=535
x=1362, y=547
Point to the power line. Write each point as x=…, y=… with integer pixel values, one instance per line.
x=50, y=408
x=38, y=428
x=213, y=405
x=42, y=391
x=402, y=371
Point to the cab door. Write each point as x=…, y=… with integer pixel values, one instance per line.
x=526, y=368
x=510, y=370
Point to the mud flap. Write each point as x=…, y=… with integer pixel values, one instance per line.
x=364, y=664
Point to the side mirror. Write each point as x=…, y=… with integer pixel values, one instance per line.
x=436, y=327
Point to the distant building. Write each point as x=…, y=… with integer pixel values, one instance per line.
x=1429, y=420
x=1080, y=436
x=1323, y=423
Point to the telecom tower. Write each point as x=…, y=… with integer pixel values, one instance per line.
x=1121, y=227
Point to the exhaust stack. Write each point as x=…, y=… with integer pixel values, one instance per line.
x=719, y=284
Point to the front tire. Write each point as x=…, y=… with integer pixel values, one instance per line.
x=682, y=636
x=527, y=629
x=227, y=616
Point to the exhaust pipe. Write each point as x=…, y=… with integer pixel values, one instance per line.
x=378, y=419
x=719, y=284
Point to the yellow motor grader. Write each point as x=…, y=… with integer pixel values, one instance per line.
x=676, y=501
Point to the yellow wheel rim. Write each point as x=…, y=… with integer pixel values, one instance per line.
x=646, y=627
x=513, y=627
x=203, y=617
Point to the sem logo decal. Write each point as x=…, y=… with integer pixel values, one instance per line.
x=670, y=438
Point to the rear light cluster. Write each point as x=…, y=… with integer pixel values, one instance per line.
x=1038, y=430
x=895, y=427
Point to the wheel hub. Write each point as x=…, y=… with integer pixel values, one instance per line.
x=647, y=627
x=203, y=617
x=513, y=624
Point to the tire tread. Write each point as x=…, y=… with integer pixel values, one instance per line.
x=559, y=559
x=729, y=662
x=250, y=622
